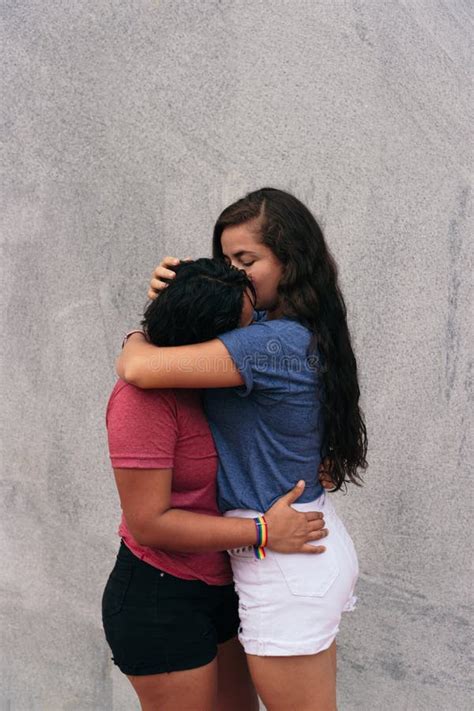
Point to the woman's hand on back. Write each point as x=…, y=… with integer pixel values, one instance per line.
x=163, y=271
x=289, y=531
x=324, y=474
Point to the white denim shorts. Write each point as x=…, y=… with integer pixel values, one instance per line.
x=291, y=603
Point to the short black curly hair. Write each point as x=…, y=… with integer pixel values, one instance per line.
x=204, y=300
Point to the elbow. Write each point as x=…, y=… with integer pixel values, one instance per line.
x=148, y=530
x=138, y=536
x=136, y=371
x=127, y=371
x=143, y=540
x=143, y=535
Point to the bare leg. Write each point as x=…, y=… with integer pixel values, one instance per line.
x=190, y=690
x=332, y=649
x=304, y=683
x=235, y=690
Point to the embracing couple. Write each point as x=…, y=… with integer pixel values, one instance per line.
x=237, y=405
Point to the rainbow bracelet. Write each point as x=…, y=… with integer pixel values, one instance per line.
x=262, y=537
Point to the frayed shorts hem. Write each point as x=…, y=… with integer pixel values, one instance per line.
x=269, y=648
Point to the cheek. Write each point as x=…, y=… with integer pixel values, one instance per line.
x=269, y=278
x=256, y=278
x=265, y=278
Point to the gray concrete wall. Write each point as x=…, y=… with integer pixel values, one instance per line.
x=127, y=127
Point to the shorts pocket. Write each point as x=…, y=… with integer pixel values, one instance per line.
x=116, y=589
x=309, y=575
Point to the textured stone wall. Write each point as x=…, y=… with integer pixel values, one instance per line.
x=127, y=127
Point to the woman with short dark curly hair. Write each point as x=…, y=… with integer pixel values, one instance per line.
x=169, y=609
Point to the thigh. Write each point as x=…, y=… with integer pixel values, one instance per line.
x=190, y=690
x=305, y=683
x=235, y=690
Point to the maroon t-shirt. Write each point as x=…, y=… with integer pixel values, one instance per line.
x=167, y=429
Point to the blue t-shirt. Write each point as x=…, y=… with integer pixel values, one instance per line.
x=268, y=431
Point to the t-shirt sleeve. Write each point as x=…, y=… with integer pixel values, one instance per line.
x=258, y=352
x=142, y=428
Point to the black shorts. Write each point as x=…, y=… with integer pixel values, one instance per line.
x=155, y=622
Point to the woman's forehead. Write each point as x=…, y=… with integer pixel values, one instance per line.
x=238, y=240
x=235, y=244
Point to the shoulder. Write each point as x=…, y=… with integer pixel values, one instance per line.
x=278, y=328
x=264, y=335
x=188, y=400
x=292, y=334
x=282, y=325
x=127, y=396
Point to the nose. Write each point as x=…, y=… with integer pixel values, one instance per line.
x=241, y=268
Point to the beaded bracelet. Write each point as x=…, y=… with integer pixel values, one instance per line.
x=137, y=330
x=262, y=537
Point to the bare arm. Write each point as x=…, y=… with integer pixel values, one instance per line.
x=145, y=496
x=203, y=365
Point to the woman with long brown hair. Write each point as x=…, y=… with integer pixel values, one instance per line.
x=281, y=396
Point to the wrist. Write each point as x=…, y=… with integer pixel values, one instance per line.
x=127, y=335
x=261, y=527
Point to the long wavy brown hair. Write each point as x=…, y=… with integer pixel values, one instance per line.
x=308, y=290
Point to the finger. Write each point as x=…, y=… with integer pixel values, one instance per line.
x=168, y=262
x=295, y=493
x=308, y=548
x=324, y=475
x=317, y=525
x=158, y=285
x=187, y=259
x=156, y=290
x=163, y=273
x=317, y=535
x=313, y=515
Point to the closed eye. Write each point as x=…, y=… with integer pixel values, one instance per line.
x=248, y=264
